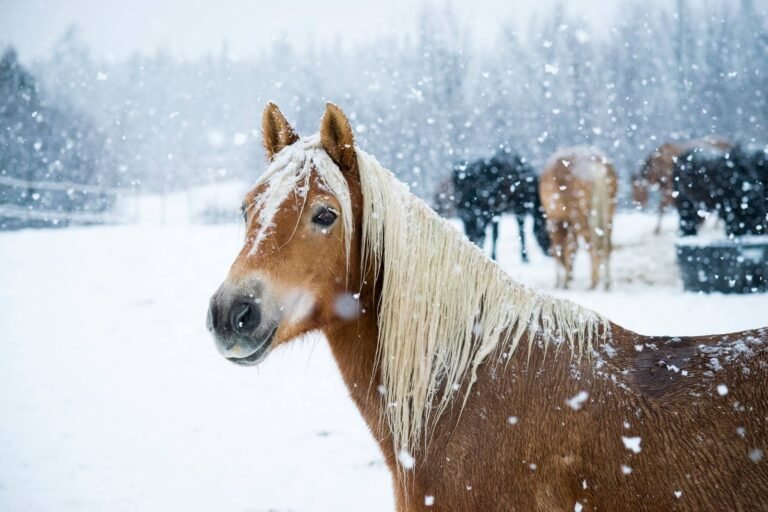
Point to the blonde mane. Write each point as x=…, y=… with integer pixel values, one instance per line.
x=444, y=308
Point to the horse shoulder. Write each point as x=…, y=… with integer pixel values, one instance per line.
x=511, y=421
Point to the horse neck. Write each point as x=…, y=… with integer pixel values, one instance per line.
x=354, y=346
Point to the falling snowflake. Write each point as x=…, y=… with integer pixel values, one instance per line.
x=576, y=402
x=631, y=443
x=406, y=459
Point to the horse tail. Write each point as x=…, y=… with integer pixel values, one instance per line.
x=540, y=221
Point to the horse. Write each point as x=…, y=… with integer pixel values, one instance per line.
x=658, y=168
x=482, y=394
x=444, y=200
x=487, y=188
x=722, y=181
x=578, y=191
x=757, y=158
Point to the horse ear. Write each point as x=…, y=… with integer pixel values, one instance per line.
x=336, y=137
x=276, y=130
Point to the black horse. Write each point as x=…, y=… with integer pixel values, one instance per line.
x=723, y=181
x=487, y=188
x=757, y=156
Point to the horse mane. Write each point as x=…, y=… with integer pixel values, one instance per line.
x=444, y=306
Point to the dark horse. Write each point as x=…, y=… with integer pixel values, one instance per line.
x=758, y=160
x=723, y=181
x=487, y=188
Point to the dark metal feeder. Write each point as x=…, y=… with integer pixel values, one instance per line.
x=739, y=265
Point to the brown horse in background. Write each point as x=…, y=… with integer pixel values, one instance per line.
x=578, y=193
x=658, y=169
x=482, y=394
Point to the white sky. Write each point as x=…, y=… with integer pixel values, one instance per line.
x=194, y=27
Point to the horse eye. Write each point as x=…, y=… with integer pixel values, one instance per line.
x=325, y=217
x=244, y=211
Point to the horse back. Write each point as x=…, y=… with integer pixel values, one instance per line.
x=666, y=367
x=496, y=186
x=644, y=423
x=568, y=183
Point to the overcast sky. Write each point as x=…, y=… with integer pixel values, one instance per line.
x=193, y=27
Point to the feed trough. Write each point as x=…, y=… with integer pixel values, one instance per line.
x=738, y=265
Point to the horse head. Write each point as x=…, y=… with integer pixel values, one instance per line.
x=300, y=242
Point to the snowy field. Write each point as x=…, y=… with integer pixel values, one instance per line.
x=113, y=397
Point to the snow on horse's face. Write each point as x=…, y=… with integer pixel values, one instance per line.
x=294, y=273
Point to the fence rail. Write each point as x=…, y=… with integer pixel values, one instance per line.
x=25, y=213
x=22, y=213
x=59, y=185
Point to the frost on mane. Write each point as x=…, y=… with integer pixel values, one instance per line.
x=290, y=171
x=587, y=162
x=425, y=337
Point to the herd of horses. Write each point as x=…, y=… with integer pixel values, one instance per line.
x=575, y=196
x=481, y=393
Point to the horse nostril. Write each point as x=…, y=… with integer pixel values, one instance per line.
x=244, y=317
x=213, y=315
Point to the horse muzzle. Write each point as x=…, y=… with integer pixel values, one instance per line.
x=243, y=322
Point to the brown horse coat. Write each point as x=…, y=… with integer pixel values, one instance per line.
x=624, y=422
x=654, y=431
x=658, y=168
x=578, y=193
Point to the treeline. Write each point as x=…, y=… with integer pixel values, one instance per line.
x=54, y=162
x=420, y=103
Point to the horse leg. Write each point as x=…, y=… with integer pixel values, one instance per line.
x=494, y=237
x=595, y=262
x=569, y=252
x=594, y=241
x=607, y=249
x=475, y=230
x=521, y=231
x=661, y=214
x=558, y=240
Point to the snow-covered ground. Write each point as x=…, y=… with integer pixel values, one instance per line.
x=113, y=398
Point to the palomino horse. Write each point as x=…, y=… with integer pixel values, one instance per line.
x=578, y=192
x=482, y=394
x=658, y=168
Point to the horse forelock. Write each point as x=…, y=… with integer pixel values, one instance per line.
x=291, y=171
